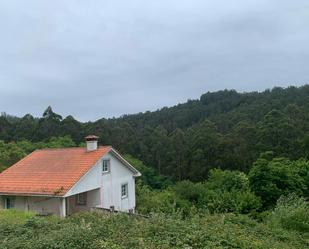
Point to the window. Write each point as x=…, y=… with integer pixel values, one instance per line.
x=8, y=203
x=124, y=190
x=81, y=199
x=105, y=165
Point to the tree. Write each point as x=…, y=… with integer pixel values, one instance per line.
x=149, y=176
x=272, y=179
x=25, y=128
x=203, y=150
x=278, y=134
x=70, y=126
x=159, y=147
x=179, y=154
x=49, y=125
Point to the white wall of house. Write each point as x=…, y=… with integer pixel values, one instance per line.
x=41, y=205
x=109, y=184
x=45, y=205
x=20, y=202
x=90, y=181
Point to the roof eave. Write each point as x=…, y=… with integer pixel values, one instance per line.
x=29, y=194
x=126, y=163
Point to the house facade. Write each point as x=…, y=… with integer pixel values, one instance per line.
x=69, y=180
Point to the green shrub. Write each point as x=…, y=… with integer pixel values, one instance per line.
x=271, y=179
x=237, y=202
x=292, y=213
x=13, y=216
x=228, y=191
x=164, y=231
x=227, y=180
x=224, y=191
x=154, y=201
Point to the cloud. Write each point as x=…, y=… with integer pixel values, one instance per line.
x=98, y=59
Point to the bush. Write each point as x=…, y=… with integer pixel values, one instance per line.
x=165, y=231
x=292, y=213
x=228, y=191
x=237, y=202
x=227, y=180
x=225, y=191
x=271, y=179
x=154, y=201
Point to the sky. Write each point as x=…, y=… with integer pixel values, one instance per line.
x=105, y=58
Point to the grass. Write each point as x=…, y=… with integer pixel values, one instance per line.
x=14, y=217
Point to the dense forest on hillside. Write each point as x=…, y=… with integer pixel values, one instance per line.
x=224, y=129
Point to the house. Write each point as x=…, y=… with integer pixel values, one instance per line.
x=68, y=180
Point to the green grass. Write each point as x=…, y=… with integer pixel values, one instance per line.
x=14, y=217
x=94, y=230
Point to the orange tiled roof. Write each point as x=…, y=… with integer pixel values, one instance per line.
x=49, y=171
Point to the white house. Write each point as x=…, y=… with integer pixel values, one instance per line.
x=68, y=180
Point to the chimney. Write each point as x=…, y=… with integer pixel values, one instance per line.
x=91, y=142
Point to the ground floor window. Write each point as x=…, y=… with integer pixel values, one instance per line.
x=8, y=203
x=81, y=199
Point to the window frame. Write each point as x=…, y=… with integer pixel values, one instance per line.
x=81, y=201
x=126, y=185
x=108, y=166
x=11, y=202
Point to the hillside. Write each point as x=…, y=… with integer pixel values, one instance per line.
x=223, y=129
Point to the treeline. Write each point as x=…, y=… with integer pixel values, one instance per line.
x=225, y=129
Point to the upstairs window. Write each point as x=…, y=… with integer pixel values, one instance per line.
x=124, y=190
x=105, y=165
x=81, y=199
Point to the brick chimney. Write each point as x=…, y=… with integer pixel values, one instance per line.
x=91, y=142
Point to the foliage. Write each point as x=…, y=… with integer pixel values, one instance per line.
x=149, y=201
x=228, y=191
x=149, y=175
x=227, y=180
x=95, y=230
x=14, y=217
x=224, y=129
x=211, y=196
x=270, y=179
x=291, y=213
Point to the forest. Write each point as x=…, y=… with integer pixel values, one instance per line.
x=229, y=170
x=225, y=129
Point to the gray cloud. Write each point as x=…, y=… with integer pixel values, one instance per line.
x=98, y=59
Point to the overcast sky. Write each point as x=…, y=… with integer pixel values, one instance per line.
x=104, y=58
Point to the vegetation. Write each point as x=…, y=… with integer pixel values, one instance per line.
x=94, y=230
x=229, y=170
x=225, y=129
